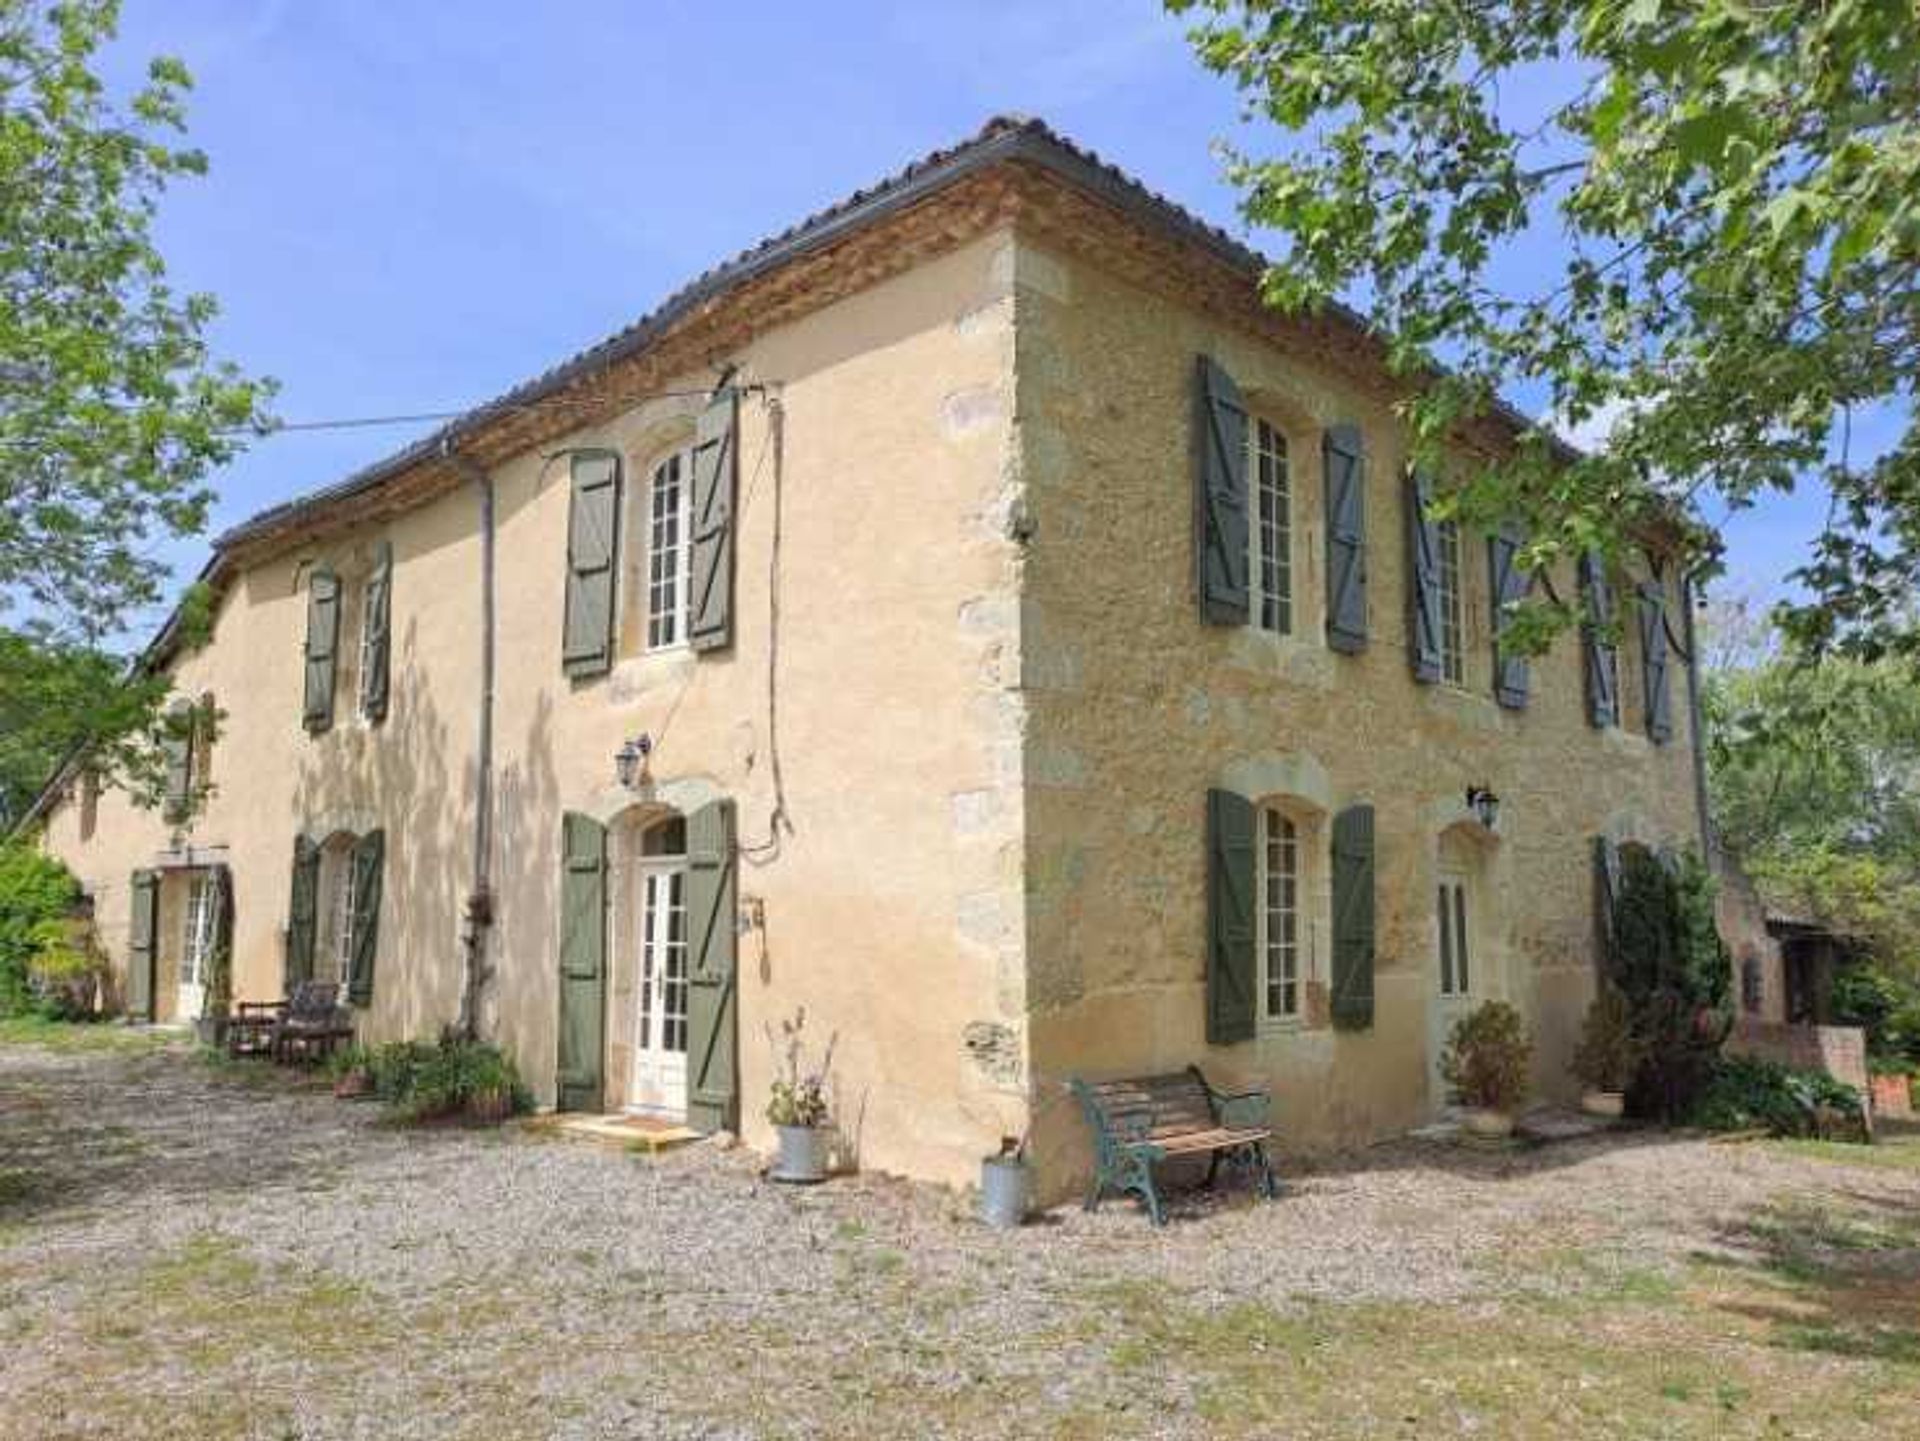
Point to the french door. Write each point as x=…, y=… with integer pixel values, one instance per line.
x=1452, y=995
x=659, y=1083
x=196, y=945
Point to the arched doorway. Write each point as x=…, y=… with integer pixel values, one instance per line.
x=1461, y=970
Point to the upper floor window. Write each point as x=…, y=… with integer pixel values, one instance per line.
x=1271, y=560
x=1451, y=602
x=669, y=549
x=1278, y=916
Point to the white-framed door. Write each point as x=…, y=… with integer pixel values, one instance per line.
x=196, y=944
x=1455, y=970
x=659, y=1082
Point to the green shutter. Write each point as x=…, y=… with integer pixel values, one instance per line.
x=219, y=981
x=712, y=1005
x=1602, y=659
x=1507, y=587
x=178, y=728
x=1352, y=1000
x=368, y=861
x=583, y=962
x=1221, y=540
x=1653, y=662
x=716, y=465
x=1230, y=918
x=377, y=646
x=303, y=908
x=1423, y=582
x=143, y=930
x=593, y=558
x=1346, y=518
x=323, y=644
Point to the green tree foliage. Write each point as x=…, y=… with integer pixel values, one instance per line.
x=37, y=894
x=1815, y=777
x=1730, y=190
x=112, y=410
x=1668, y=961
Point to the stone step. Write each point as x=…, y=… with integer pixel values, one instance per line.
x=628, y=1133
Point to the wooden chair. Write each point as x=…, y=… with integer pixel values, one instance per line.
x=313, y=1023
x=1137, y=1121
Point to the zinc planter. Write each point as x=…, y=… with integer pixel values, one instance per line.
x=803, y=1155
x=1610, y=1104
x=1005, y=1184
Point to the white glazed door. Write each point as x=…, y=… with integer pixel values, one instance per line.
x=1453, y=976
x=196, y=947
x=660, y=1031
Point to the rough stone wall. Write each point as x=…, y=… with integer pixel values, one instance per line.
x=1840, y=1051
x=1135, y=709
x=1742, y=918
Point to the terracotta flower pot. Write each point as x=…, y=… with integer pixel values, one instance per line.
x=352, y=1085
x=490, y=1107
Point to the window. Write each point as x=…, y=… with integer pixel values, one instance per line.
x=1278, y=916
x=1455, y=975
x=669, y=549
x=1752, y=986
x=1272, y=529
x=342, y=909
x=196, y=948
x=663, y=963
x=1448, y=594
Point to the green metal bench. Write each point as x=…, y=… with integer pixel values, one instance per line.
x=1140, y=1120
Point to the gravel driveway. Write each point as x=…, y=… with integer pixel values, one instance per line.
x=190, y=1251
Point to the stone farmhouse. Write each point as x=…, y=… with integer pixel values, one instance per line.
x=970, y=616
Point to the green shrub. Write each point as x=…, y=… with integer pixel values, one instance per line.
x=68, y=972
x=1745, y=1092
x=1486, y=1058
x=1669, y=961
x=36, y=892
x=422, y=1081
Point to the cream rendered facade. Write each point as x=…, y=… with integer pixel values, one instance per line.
x=968, y=718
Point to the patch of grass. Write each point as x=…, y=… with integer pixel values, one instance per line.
x=70, y=1037
x=18, y=1185
x=1901, y=1154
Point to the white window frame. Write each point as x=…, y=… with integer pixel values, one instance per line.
x=1453, y=909
x=196, y=944
x=1450, y=600
x=343, y=902
x=362, y=699
x=1280, y=918
x=1270, y=536
x=668, y=577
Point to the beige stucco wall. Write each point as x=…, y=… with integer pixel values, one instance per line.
x=889, y=910
x=1135, y=708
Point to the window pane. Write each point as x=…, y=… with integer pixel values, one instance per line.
x=1452, y=663
x=667, y=543
x=1446, y=945
x=1460, y=936
x=1271, y=534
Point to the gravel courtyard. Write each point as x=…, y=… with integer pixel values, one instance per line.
x=204, y=1251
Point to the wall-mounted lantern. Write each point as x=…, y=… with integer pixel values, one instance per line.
x=630, y=762
x=1484, y=804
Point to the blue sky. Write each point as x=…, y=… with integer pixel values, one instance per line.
x=413, y=206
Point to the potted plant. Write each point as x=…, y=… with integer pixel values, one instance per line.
x=1485, y=1063
x=352, y=1071
x=797, y=1105
x=1608, y=1053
